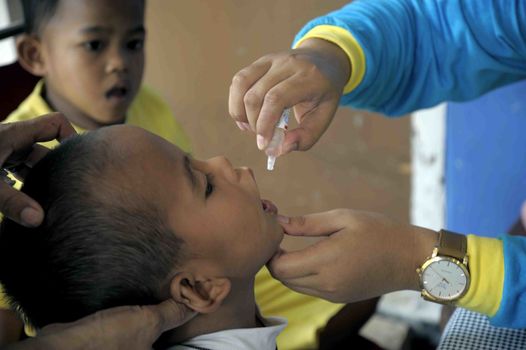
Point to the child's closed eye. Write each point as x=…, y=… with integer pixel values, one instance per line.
x=209, y=185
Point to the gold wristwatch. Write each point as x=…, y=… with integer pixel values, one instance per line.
x=444, y=276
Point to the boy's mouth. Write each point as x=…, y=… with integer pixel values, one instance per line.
x=117, y=92
x=269, y=207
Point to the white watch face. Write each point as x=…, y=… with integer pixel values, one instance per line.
x=444, y=279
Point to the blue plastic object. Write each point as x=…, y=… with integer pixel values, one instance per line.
x=486, y=161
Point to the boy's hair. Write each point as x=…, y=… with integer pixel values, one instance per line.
x=37, y=13
x=100, y=245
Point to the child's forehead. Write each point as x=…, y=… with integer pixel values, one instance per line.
x=146, y=164
x=137, y=157
x=137, y=144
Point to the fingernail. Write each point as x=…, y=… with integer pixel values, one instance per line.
x=246, y=126
x=262, y=143
x=243, y=126
x=283, y=219
x=31, y=217
x=240, y=126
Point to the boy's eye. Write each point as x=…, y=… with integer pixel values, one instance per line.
x=135, y=45
x=94, y=45
x=209, y=185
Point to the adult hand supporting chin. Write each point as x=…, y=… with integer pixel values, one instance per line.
x=310, y=78
x=125, y=327
x=18, y=150
x=362, y=255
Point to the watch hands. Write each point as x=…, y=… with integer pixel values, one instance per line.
x=440, y=275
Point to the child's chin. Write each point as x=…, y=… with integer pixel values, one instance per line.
x=107, y=120
x=276, y=252
x=279, y=233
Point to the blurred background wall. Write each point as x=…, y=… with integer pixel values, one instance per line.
x=194, y=48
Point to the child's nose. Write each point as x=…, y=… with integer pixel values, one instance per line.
x=116, y=62
x=223, y=165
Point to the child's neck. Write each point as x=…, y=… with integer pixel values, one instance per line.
x=237, y=311
x=76, y=117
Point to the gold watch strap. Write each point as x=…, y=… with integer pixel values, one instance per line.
x=452, y=244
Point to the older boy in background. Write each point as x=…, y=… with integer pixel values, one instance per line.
x=90, y=55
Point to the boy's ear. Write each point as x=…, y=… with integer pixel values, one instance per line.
x=203, y=295
x=29, y=50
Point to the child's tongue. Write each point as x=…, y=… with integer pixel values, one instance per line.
x=269, y=207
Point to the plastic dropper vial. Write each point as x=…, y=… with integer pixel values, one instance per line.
x=274, y=146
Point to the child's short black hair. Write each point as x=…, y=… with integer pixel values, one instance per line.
x=37, y=13
x=100, y=245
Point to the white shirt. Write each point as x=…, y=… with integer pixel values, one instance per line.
x=260, y=338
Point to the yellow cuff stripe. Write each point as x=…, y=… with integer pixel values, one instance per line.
x=486, y=265
x=347, y=43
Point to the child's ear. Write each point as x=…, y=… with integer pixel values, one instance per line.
x=29, y=50
x=203, y=295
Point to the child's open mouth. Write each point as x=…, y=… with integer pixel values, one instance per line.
x=269, y=207
x=117, y=92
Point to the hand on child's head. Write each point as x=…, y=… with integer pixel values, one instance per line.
x=19, y=151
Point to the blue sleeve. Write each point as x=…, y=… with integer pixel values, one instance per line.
x=420, y=53
x=512, y=310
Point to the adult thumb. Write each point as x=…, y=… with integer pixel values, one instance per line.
x=311, y=126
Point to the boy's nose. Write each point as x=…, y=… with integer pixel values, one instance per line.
x=223, y=165
x=116, y=63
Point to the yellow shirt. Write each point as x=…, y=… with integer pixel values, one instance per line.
x=305, y=314
x=147, y=111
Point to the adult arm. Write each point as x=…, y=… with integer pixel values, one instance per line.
x=365, y=255
x=419, y=53
x=402, y=55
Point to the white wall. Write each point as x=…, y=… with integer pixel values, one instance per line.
x=7, y=46
x=428, y=166
x=427, y=207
